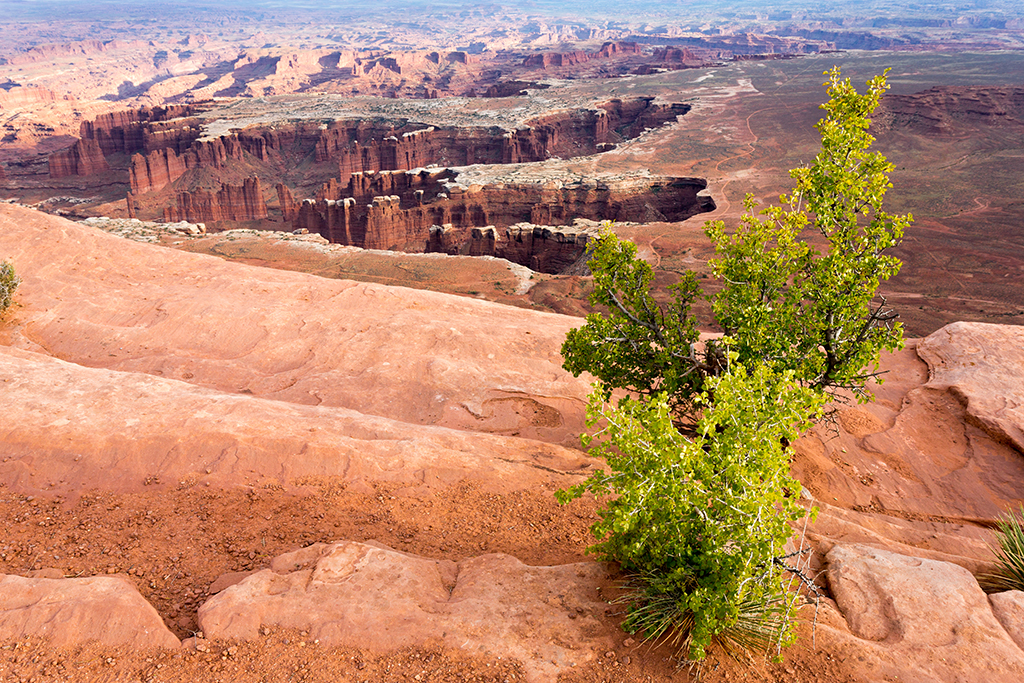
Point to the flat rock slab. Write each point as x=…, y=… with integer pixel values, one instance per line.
x=370, y=596
x=70, y=612
x=67, y=428
x=411, y=355
x=915, y=619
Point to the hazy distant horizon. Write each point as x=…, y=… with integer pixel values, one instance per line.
x=626, y=11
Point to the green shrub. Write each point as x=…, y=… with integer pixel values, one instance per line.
x=698, y=497
x=9, y=282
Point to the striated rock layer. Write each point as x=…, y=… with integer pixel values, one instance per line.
x=229, y=203
x=429, y=210
x=125, y=132
x=164, y=143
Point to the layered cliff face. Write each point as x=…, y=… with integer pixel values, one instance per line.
x=127, y=132
x=229, y=203
x=406, y=209
x=545, y=249
x=84, y=158
x=944, y=111
x=161, y=167
x=28, y=95
x=369, y=199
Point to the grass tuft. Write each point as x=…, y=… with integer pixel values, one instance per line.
x=1010, y=574
x=761, y=627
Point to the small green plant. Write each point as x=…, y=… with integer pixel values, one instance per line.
x=9, y=282
x=1010, y=556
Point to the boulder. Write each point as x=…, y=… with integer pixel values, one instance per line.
x=370, y=596
x=914, y=619
x=70, y=612
x=981, y=365
x=1008, y=607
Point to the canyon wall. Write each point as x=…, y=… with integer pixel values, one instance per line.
x=83, y=158
x=230, y=203
x=126, y=132
x=943, y=111
x=406, y=209
x=164, y=143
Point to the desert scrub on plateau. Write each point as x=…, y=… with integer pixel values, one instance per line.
x=697, y=497
x=9, y=282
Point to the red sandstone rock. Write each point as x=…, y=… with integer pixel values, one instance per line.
x=229, y=203
x=547, y=60
x=1008, y=608
x=405, y=207
x=82, y=159
x=162, y=167
x=945, y=111
x=915, y=619
x=70, y=612
x=409, y=355
x=370, y=596
x=920, y=451
x=28, y=95
x=289, y=207
x=980, y=365
x=84, y=47
x=69, y=428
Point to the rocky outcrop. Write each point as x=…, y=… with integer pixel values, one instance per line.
x=303, y=340
x=41, y=53
x=83, y=158
x=915, y=619
x=286, y=201
x=129, y=427
x=370, y=596
x=21, y=96
x=144, y=130
x=72, y=612
x=979, y=364
x=678, y=57
x=546, y=60
x=727, y=46
x=540, y=248
x=360, y=147
x=230, y=203
x=162, y=167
